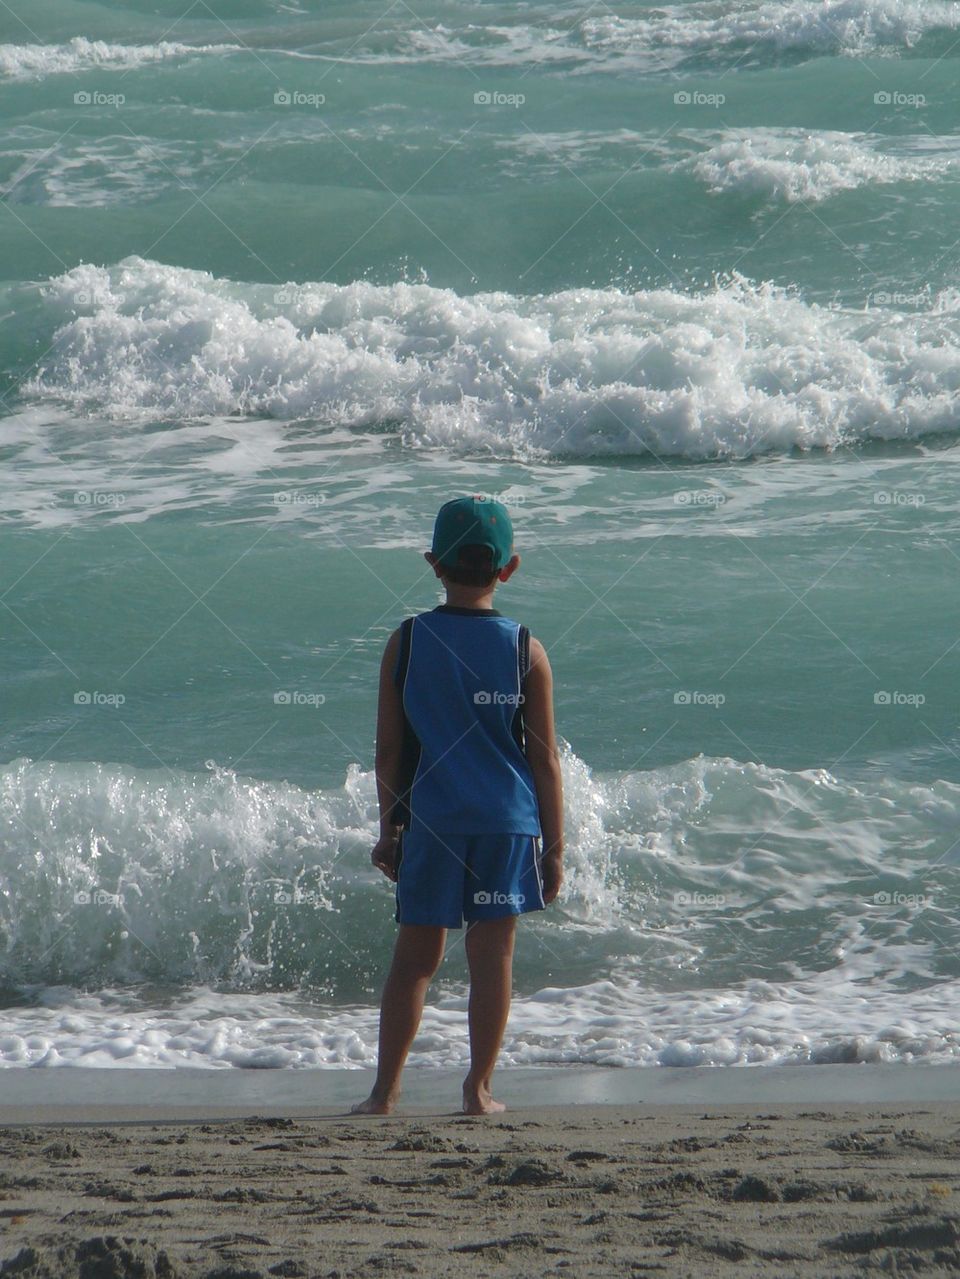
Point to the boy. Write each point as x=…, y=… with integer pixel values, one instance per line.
x=468, y=779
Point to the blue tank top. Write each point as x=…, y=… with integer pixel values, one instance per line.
x=461, y=674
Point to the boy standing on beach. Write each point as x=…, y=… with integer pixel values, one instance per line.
x=468, y=779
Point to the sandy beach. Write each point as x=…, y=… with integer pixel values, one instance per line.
x=795, y=1190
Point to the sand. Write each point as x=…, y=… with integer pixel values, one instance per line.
x=573, y=1190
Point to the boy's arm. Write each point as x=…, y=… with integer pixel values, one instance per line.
x=389, y=747
x=544, y=760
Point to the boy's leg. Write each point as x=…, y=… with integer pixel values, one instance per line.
x=416, y=958
x=489, y=946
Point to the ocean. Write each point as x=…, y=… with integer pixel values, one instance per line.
x=678, y=284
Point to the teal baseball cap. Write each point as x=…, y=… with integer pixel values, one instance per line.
x=473, y=521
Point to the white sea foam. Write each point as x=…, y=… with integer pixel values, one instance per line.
x=104, y=172
x=729, y=371
x=527, y=155
x=601, y=1023
x=794, y=165
x=817, y=27
x=34, y=61
x=715, y=912
x=669, y=36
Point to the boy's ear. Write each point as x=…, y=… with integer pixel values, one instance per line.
x=508, y=570
x=434, y=563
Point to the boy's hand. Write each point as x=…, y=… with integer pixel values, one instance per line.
x=551, y=869
x=384, y=856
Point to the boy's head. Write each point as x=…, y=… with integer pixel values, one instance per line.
x=473, y=542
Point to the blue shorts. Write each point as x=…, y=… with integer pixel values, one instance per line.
x=445, y=879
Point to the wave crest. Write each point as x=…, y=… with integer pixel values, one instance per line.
x=730, y=371
x=34, y=61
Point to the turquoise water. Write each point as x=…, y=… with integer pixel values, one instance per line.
x=678, y=284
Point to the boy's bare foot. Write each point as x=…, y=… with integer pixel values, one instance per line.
x=480, y=1101
x=374, y=1105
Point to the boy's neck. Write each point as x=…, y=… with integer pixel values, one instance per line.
x=478, y=597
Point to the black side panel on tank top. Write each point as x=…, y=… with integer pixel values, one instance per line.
x=410, y=747
x=523, y=660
